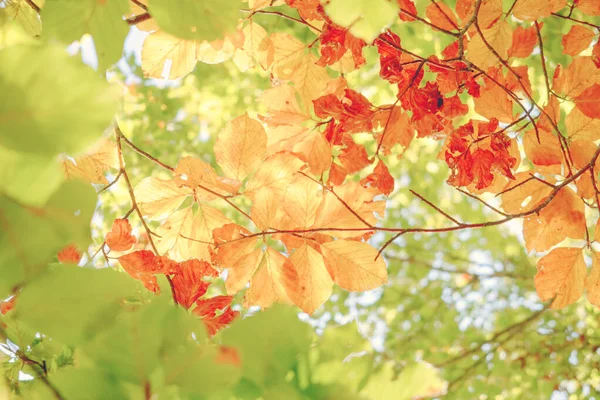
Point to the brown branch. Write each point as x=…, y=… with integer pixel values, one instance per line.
x=138, y=19
x=436, y=208
x=42, y=373
x=134, y=204
x=144, y=154
x=541, y=44
x=140, y=4
x=111, y=183
x=282, y=15
x=35, y=7
x=517, y=327
x=576, y=20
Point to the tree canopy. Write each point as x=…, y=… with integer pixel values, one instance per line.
x=299, y=199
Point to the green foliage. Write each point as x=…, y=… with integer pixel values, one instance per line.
x=69, y=20
x=196, y=20
x=366, y=18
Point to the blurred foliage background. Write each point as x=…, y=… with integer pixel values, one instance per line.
x=462, y=301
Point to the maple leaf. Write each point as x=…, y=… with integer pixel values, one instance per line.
x=561, y=275
x=69, y=255
x=119, y=238
x=189, y=281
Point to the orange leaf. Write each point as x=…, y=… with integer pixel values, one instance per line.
x=7, y=305
x=442, y=16
x=527, y=194
x=561, y=275
x=563, y=217
x=240, y=147
x=119, y=238
x=578, y=39
x=353, y=266
x=545, y=154
x=380, y=178
x=592, y=281
x=315, y=283
x=144, y=264
x=69, y=255
x=589, y=101
x=189, y=281
x=524, y=40
x=215, y=313
x=275, y=280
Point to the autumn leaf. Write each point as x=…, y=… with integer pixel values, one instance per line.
x=119, y=238
x=563, y=217
x=69, y=255
x=216, y=312
x=561, y=275
x=588, y=102
x=353, y=265
x=240, y=147
x=578, y=39
x=314, y=282
x=189, y=281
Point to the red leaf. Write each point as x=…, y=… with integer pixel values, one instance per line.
x=380, y=179
x=69, y=255
x=589, y=101
x=119, y=238
x=143, y=265
x=189, y=283
x=7, y=305
x=215, y=312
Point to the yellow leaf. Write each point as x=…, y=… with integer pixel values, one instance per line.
x=315, y=150
x=352, y=265
x=158, y=198
x=535, y=9
x=185, y=235
x=301, y=201
x=195, y=173
x=92, y=166
x=275, y=280
x=160, y=47
x=592, y=281
x=265, y=208
x=546, y=153
x=310, y=80
x=241, y=147
x=525, y=196
x=498, y=37
x=563, y=217
x=238, y=276
x=581, y=127
x=283, y=107
x=254, y=34
x=283, y=53
x=275, y=173
x=495, y=103
x=561, y=276
x=314, y=283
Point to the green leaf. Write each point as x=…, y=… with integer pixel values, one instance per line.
x=29, y=178
x=62, y=107
x=416, y=380
x=86, y=384
x=269, y=343
x=196, y=19
x=68, y=303
x=366, y=18
x=33, y=235
x=69, y=20
x=25, y=15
